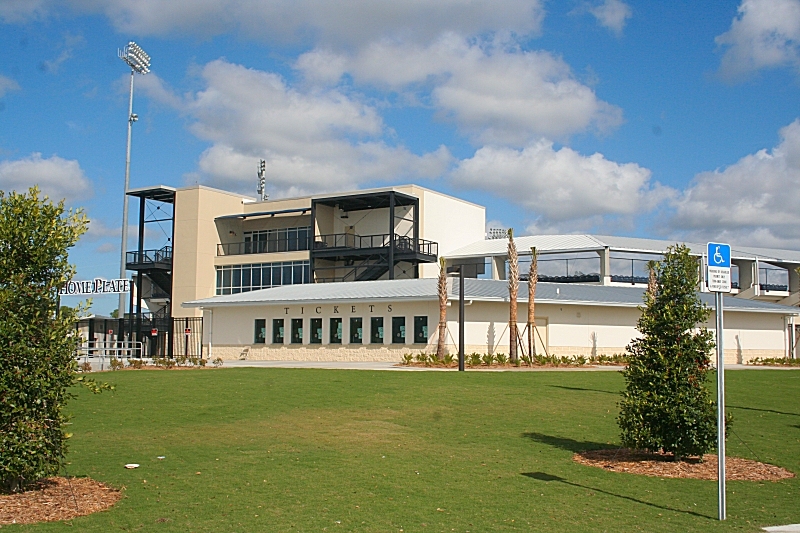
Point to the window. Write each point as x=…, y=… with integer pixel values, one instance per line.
x=233, y=279
x=260, y=336
x=277, y=331
x=376, y=330
x=297, y=331
x=420, y=330
x=316, y=331
x=276, y=240
x=398, y=330
x=356, y=330
x=336, y=331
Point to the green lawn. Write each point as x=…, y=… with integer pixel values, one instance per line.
x=323, y=450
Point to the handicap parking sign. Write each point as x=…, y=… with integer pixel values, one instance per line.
x=719, y=267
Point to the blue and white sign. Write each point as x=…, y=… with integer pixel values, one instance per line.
x=719, y=267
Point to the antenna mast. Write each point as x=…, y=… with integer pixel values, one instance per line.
x=262, y=181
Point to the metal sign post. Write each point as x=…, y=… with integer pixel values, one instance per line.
x=719, y=282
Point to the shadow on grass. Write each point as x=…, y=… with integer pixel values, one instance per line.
x=583, y=389
x=564, y=443
x=763, y=410
x=542, y=476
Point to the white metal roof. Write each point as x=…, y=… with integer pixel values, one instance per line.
x=549, y=244
x=474, y=289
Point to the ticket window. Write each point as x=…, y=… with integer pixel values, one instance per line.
x=356, y=330
x=336, y=331
x=398, y=330
x=260, y=334
x=420, y=330
x=277, y=331
x=297, y=331
x=376, y=330
x=316, y=331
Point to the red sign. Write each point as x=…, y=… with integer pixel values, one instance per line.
x=154, y=332
x=188, y=331
x=111, y=332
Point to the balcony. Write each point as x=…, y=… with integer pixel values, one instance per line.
x=150, y=259
x=285, y=244
x=352, y=244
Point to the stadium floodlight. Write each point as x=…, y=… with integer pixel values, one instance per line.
x=139, y=61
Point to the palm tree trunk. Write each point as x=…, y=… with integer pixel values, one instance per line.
x=533, y=275
x=442, y=290
x=513, y=287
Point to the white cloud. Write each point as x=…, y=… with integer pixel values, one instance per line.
x=312, y=141
x=57, y=177
x=766, y=33
x=494, y=92
x=6, y=85
x=70, y=43
x=341, y=23
x=22, y=10
x=566, y=190
x=754, y=201
x=612, y=14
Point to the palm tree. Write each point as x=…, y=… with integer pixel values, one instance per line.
x=513, y=286
x=533, y=276
x=442, y=289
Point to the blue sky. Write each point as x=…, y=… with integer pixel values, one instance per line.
x=662, y=119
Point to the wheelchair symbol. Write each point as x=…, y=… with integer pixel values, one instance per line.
x=718, y=259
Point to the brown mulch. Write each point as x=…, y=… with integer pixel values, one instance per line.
x=57, y=498
x=663, y=465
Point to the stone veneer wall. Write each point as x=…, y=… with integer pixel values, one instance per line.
x=391, y=353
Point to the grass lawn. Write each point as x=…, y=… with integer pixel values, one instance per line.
x=326, y=450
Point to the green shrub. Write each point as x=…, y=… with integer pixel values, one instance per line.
x=501, y=358
x=136, y=364
x=37, y=341
x=774, y=361
x=488, y=359
x=116, y=364
x=85, y=367
x=164, y=362
x=449, y=359
x=474, y=359
x=407, y=359
x=421, y=357
x=666, y=404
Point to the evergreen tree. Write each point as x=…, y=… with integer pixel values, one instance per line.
x=667, y=405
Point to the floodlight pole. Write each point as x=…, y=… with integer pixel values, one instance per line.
x=720, y=411
x=122, y=265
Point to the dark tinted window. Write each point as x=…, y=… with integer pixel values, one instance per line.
x=356, y=330
x=336, y=331
x=398, y=330
x=297, y=331
x=376, y=330
x=421, y=330
x=260, y=336
x=277, y=331
x=316, y=331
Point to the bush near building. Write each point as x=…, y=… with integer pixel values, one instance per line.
x=667, y=405
x=37, y=341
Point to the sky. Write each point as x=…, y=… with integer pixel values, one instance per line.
x=676, y=120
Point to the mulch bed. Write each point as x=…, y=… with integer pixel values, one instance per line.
x=57, y=498
x=663, y=465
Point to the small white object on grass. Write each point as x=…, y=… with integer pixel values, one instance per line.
x=131, y=466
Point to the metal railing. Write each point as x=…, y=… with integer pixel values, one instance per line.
x=119, y=349
x=352, y=241
x=283, y=244
x=162, y=256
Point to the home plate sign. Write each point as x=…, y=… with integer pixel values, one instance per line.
x=719, y=267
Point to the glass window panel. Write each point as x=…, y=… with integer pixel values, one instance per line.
x=336, y=331
x=261, y=331
x=226, y=278
x=256, y=281
x=356, y=330
x=316, y=331
x=277, y=331
x=398, y=330
x=376, y=330
x=276, y=275
x=420, y=330
x=246, y=276
x=287, y=274
x=236, y=282
x=306, y=272
x=297, y=273
x=297, y=331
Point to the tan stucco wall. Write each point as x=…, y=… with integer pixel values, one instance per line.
x=196, y=240
x=562, y=330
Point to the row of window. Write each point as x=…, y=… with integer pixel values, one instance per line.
x=233, y=279
x=336, y=332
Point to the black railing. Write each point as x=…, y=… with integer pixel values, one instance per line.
x=773, y=287
x=284, y=244
x=351, y=241
x=150, y=257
